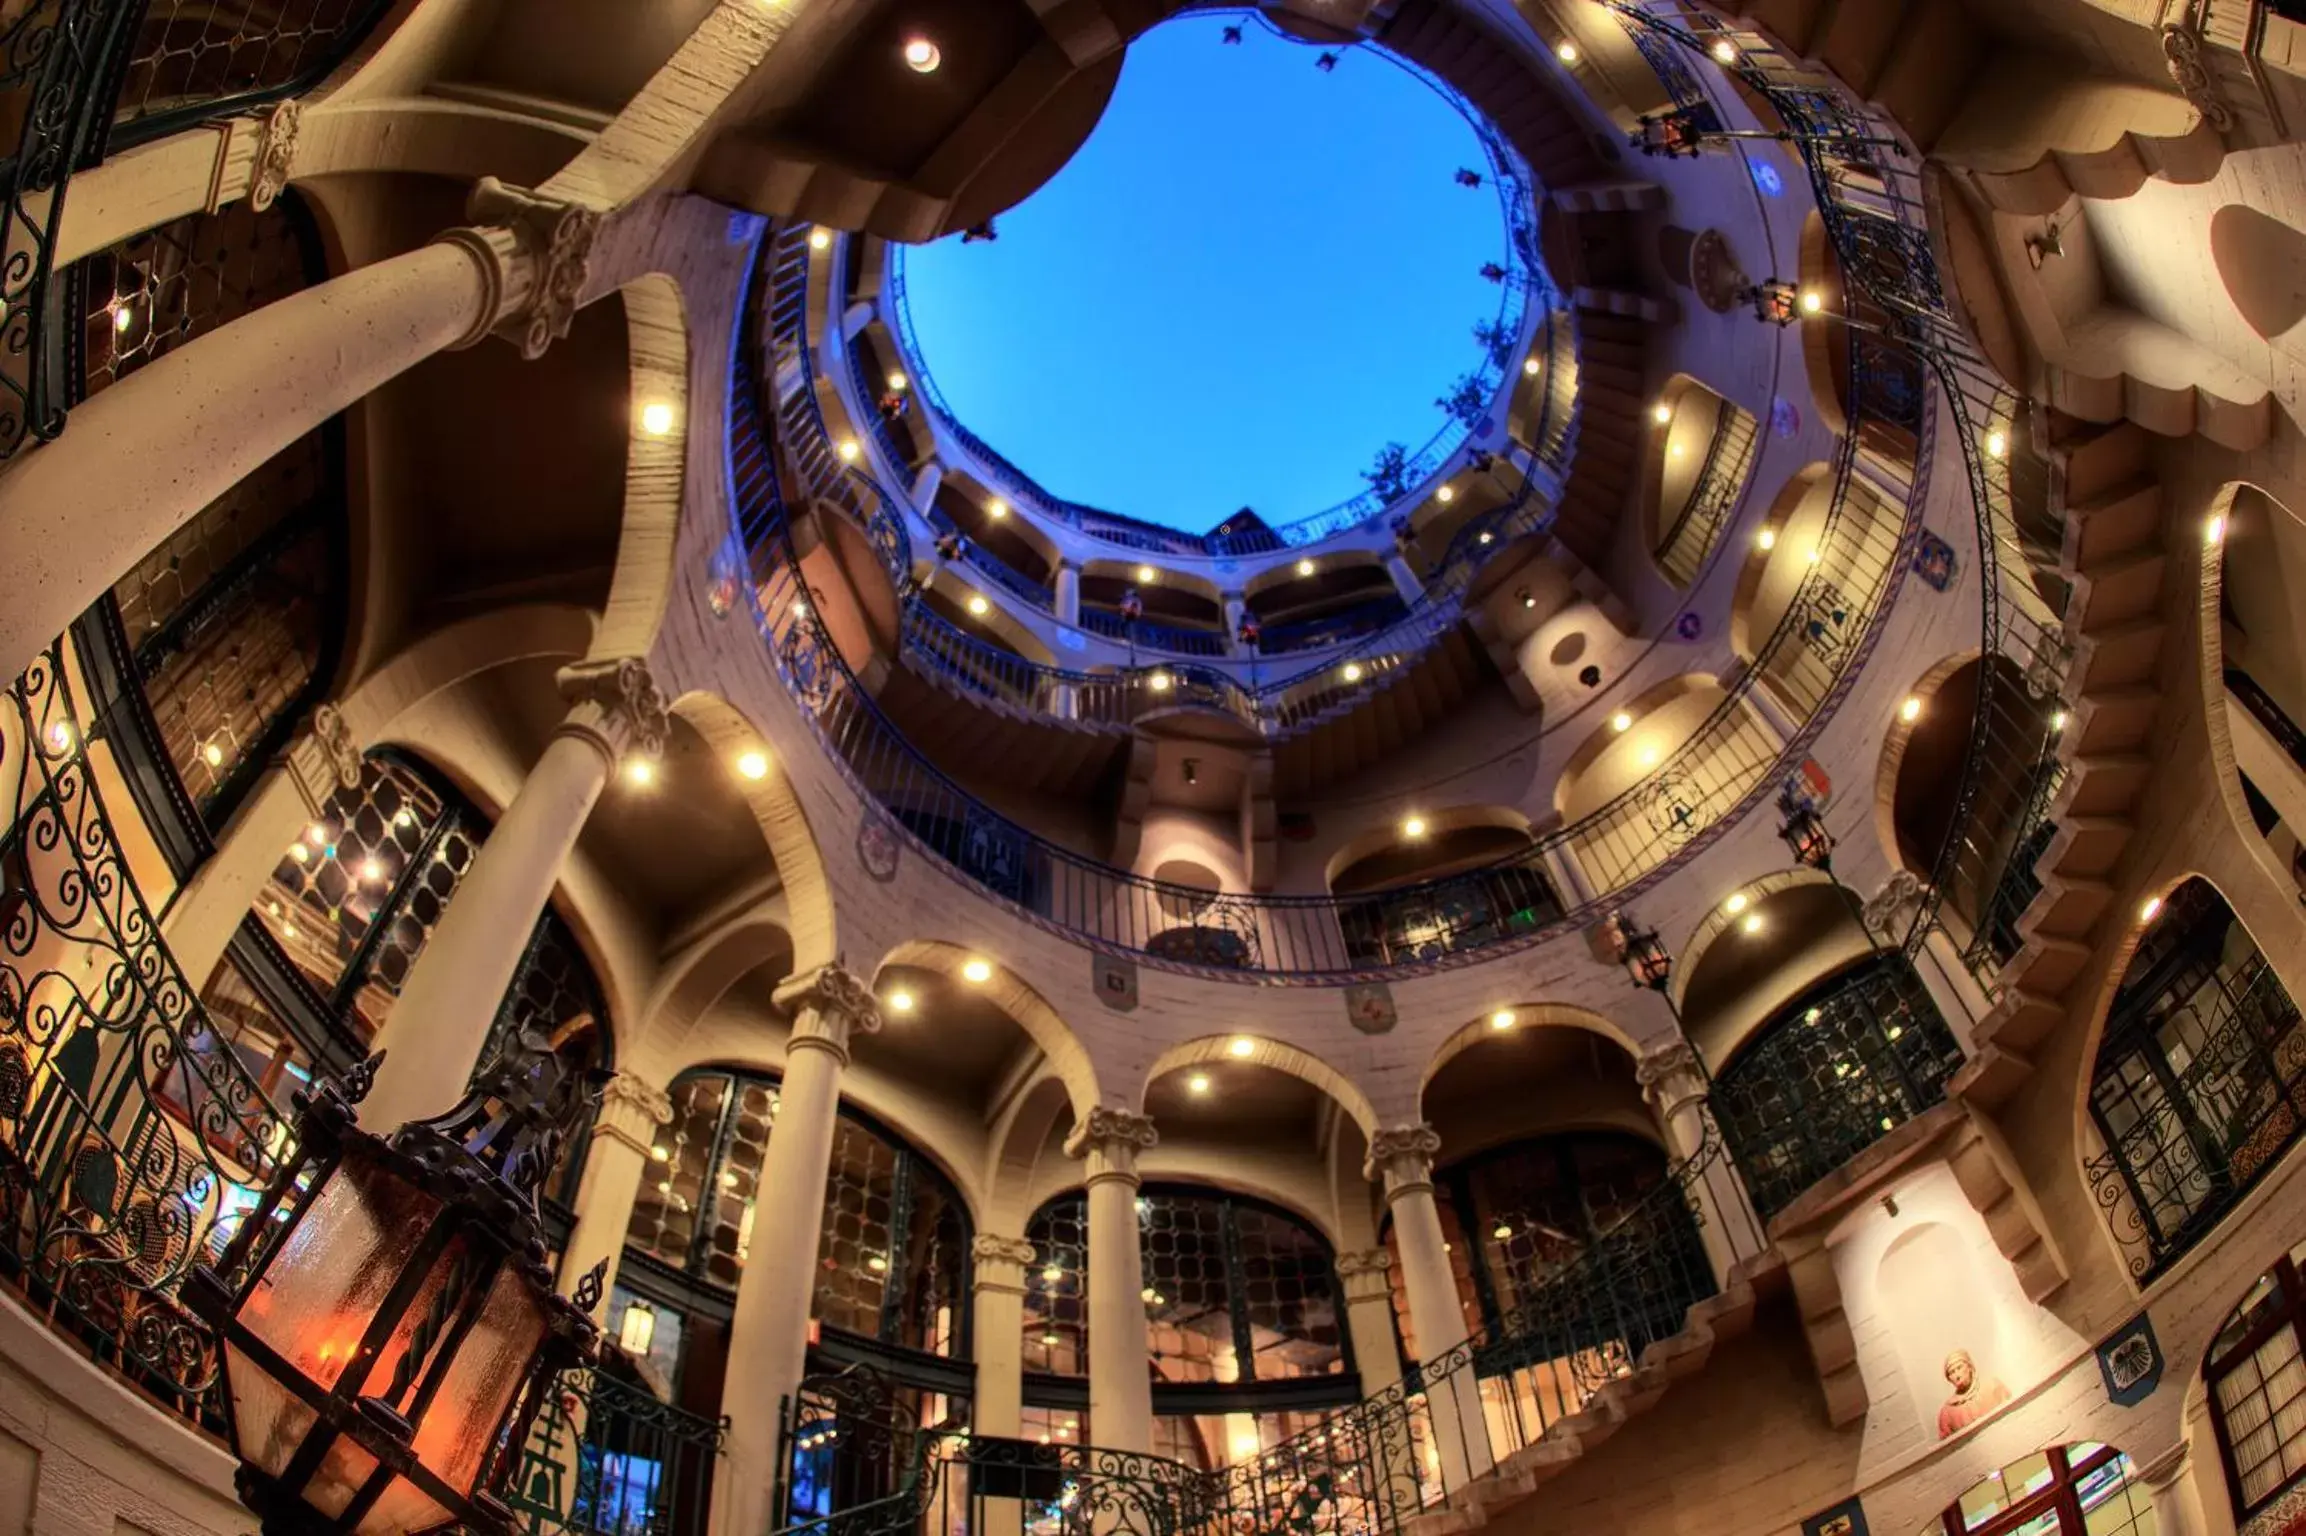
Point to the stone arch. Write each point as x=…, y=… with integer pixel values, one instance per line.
x=1440, y=827
x=1529, y=1016
x=1263, y=1052
x=459, y=651
x=1018, y=1151
x=1615, y=759
x=2232, y=741
x=784, y=826
x=699, y=976
x=1719, y=918
x=657, y=352
x=1068, y=1059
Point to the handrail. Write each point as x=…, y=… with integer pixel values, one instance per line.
x=1627, y=844
x=1516, y=188
x=1719, y=485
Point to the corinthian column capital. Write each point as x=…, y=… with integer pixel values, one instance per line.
x=534, y=254
x=615, y=704
x=1111, y=1139
x=828, y=1006
x=631, y=1109
x=1403, y=1156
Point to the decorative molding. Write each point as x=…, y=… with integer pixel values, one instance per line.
x=2182, y=53
x=334, y=737
x=275, y=154
x=1403, y=1155
x=1118, y=1135
x=631, y=711
x=987, y=1248
x=1895, y=904
x=630, y=1090
x=1667, y=1062
x=1368, y=1261
x=828, y=1006
x=554, y=243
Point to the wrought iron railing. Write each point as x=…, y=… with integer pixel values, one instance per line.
x=2268, y=712
x=608, y=1458
x=133, y=1134
x=81, y=78
x=1713, y=497
x=1728, y=767
x=1518, y=199
x=1869, y=191
x=1840, y=1068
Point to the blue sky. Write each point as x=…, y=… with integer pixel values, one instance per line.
x=1251, y=277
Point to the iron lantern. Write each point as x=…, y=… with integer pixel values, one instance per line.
x=1804, y=832
x=1643, y=953
x=387, y=1319
x=1681, y=131
x=1775, y=302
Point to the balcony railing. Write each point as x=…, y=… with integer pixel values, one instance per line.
x=1622, y=846
x=1720, y=484
x=1838, y=1070
x=1518, y=199
x=82, y=78
x=607, y=1458
x=1368, y=1470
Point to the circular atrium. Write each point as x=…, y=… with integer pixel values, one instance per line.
x=1332, y=769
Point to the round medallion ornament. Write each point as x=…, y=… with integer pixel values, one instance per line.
x=879, y=849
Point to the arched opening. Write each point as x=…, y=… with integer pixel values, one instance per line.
x=1819, y=562
x=2252, y=1369
x=1332, y=602
x=2085, y=1489
x=1656, y=773
x=1139, y=605
x=1991, y=778
x=1700, y=449
x=1460, y=887
x=2262, y=568
x=2200, y=1082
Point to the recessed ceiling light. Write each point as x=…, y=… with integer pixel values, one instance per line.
x=1413, y=826
x=1145, y=575
x=1197, y=1083
x=979, y=607
x=1621, y=722
x=977, y=972
x=849, y=450
x=900, y=1001
x=1444, y=494
x=1911, y=710
x=1725, y=51
x=1812, y=301
x=2150, y=910
x=1649, y=757
x=1753, y=923
x=1767, y=539
x=819, y=239
x=1530, y=366
x=656, y=418
x=1304, y=567
x=639, y=770
x=996, y=509
x=1502, y=1019
x=1353, y=671
x=1736, y=904
x=1241, y=1045
x=2214, y=532
x=1661, y=413
x=1566, y=52
x=898, y=381
x=753, y=765
x=921, y=55
x=1160, y=682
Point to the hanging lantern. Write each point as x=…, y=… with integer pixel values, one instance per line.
x=1678, y=132
x=1774, y=302
x=1643, y=953
x=1804, y=832
x=387, y=1317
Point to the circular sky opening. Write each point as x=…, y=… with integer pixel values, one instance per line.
x=1258, y=271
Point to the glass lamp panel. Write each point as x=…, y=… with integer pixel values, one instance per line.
x=343, y=1472
x=491, y=1367
x=268, y=1421
x=316, y=1297
x=418, y=1317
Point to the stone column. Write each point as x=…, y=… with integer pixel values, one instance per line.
x=1674, y=1083
x=437, y=1027
x=2169, y=1480
x=1235, y=605
x=999, y=1325
x=926, y=484
x=1405, y=581
x=292, y=795
x=1402, y=1156
x=1120, y=1381
x=769, y=1334
x=1069, y=593
x=142, y=457
x=624, y=1130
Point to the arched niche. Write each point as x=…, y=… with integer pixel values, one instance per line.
x=1611, y=761
x=1761, y=946
x=1472, y=875
x=1813, y=568
x=1698, y=448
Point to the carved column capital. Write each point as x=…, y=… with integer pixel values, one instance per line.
x=1366, y=1275
x=535, y=254
x=1402, y=1155
x=828, y=1006
x=631, y=1109
x=615, y=705
x=322, y=759
x=1670, y=1077
x=1000, y=1262
x=1111, y=1140
x=275, y=153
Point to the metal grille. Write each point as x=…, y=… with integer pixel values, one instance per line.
x=1189, y=1300
x=665, y=1210
x=1830, y=1075
x=606, y=1458
x=191, y=60
x=736, y=1180
x=860, y=1223
x=1057, y=1288
x=243, y=1021
x=1720, y=484
x=140, y=300
x=2200, y=1083
x=133, y=1135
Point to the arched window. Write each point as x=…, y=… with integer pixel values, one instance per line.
x=209, y=653
x=1236, y=1291
x=1830, y=1074
x=2086, y=1489
x=2256, y=1372
x=2200, y=1080
x=892, y=1261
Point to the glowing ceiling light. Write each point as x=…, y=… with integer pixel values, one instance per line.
x=1753, y=923
x=1737, y=903
x=1650, y=756
x=1911, y=710
x=60, y=736
x=1486, y=536
x=1304, y=567
x=996, y=509
x=640, y=771
x=977, y=972
x=1353, y=671
x=1241, y=1045
x=2214, y=532
x=753, y=765
x=1444, y=494
x=1197, y=1083
x=1766, y=540
x=900, y=1001
x=1412, y=826
x=2057, y=722
x=1816, y=554
x=296, y=852
x=1502, y=1232
x=898, y=381
x=316, y=834
x=1530, y=366
x=1998, y=444
x=1160, y=682
x=1621, y=722
x=656, y=418
x=849, y=450
x=212, y=755
x=1145, y=575
x=1502, y=1019
x=819, y=239
x=1146, y=1295
x=371, y=871
x=660, y=1153
x=2152, y=909
x=1052, y=1274
x=1566, y=52
x=978, y=607
x=1812, y=301
x=1661, y=413
x=877, y=1264
x=921, y=55
x=1725, y=51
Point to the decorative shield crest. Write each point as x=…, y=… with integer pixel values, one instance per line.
x=2130, y=1360
x=879, y=849
x=1369, y=1007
